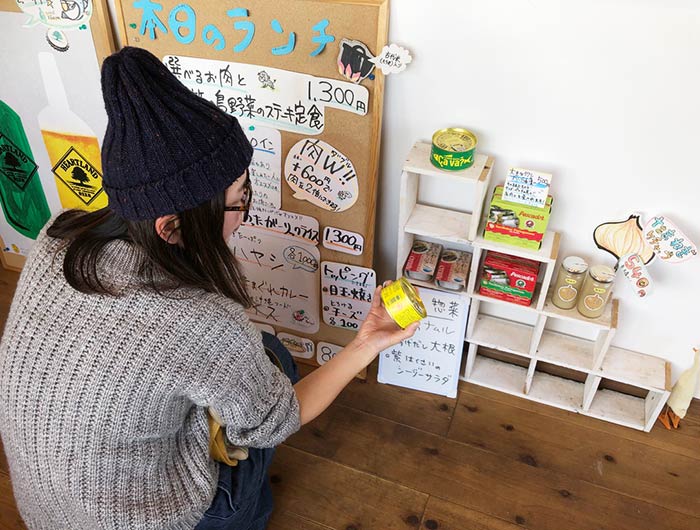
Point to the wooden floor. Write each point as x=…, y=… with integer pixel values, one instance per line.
x=388, y=458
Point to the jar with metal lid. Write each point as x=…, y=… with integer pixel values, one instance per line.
x=595, y=291
x=571, y=275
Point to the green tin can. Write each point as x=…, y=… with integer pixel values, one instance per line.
x=453, y=149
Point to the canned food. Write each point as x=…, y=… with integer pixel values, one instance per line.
x=453, y=149
x=403, y=303
x=422, y=260
x=453, y=270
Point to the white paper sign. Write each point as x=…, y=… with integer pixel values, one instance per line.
x=637, y=275
x=286, y=100
x=282, y=277
x=525, y=186
x=343, y=241
x=347, y=293
x=393, y=59
x=430, y=360
x=297, y=346
x=326, y=351
x=285, y=224
x=322, y=175
x=669, y=243
x=266, y=166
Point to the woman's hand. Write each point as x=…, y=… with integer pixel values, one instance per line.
x=379, y=331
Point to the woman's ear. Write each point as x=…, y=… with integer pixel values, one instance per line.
x=168, y=228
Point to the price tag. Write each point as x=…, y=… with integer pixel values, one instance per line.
x=343, y=241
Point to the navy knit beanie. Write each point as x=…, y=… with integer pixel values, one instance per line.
x=165, y=150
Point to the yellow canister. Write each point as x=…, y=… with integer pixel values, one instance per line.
x=403, y=303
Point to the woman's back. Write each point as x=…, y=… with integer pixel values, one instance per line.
x=98, y=395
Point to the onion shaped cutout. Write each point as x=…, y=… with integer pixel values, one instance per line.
x=620, y=238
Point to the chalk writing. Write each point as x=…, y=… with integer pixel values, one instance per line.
x=669, y=243
x=322, y=175
x=296, y=104
x=430, y=360
x=527, y=187
x=282, y=278
x=346, y=291
x=182, y=24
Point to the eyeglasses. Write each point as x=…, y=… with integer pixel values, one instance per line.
x=247, y=198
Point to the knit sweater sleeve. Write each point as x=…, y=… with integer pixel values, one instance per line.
x=233, y=376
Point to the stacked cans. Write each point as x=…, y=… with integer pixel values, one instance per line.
x=428, y=262
x=509, y=278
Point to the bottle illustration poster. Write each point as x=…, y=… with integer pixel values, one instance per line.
x=72, y=146
x=21, y=195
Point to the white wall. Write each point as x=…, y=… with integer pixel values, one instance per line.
x=603, y=94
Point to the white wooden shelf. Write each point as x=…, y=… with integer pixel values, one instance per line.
x=594, y=359
x=439, y=223
x=547, y=252
x=502, y=334
x=498, y=375
x=433, y=285
x=565, y=350
x=606, y=321
x=618, y=408
x=557, y=392
x=418, y=161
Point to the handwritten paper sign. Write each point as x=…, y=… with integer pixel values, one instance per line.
x=525, y=186
x=282, y=277
x=346, y=291
x=322, y=175
x=669, y=243
x=285, y=224
x=266, y=167
x=286, y=100
x=343, y=241
x=634, y=269
x=326, y=351
x=297, y=346
x=393, y=59
x=430, y=360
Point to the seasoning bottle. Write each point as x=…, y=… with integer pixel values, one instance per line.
x=595, y=291
x=71, y=144
x=21, y=194
x=571, y=275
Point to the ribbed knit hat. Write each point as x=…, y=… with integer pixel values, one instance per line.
x=165, y=150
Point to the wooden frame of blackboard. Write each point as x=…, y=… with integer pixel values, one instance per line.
x=358, y=137
x=103, y=38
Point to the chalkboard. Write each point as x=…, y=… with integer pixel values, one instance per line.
x=72, y=39
x=316, y=133
x=430, y=360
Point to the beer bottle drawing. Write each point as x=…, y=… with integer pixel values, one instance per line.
x=21, y=195
x=71, y=144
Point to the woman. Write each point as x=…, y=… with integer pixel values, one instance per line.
x=128, y=333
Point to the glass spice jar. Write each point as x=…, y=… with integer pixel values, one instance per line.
x=595, y=291
x=571, y=275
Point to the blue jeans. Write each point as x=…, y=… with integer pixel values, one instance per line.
x=243, y=499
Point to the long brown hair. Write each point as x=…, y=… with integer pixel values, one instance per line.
x=203, y=260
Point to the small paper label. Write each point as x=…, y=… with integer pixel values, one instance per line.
x=343, y=241
x=525, y=186
x=635, y=271
x=297, y=346
x=393, y=59
x=346, y=292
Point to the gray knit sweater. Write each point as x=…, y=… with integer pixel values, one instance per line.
x=103, y=400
